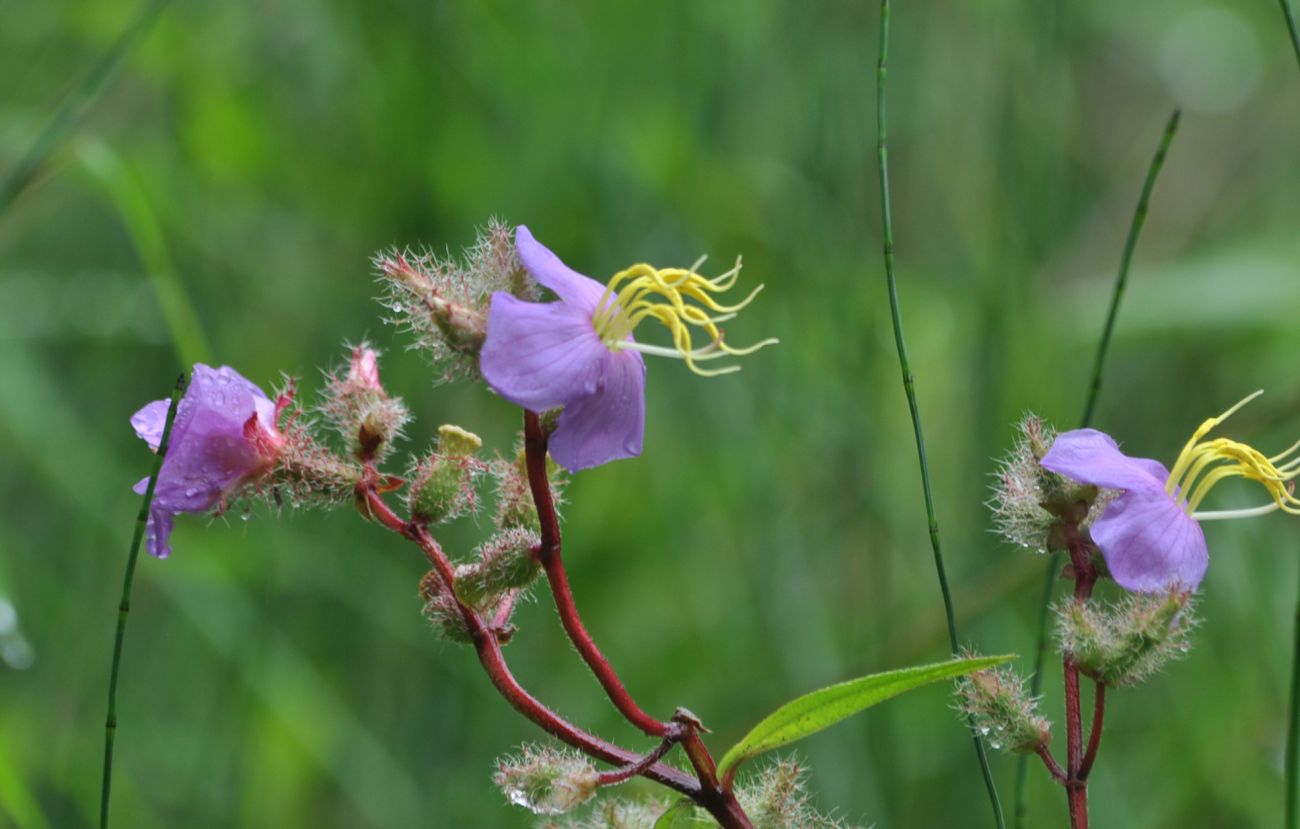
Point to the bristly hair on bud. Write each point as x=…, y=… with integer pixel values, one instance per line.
x=1030, y=504
x=546, y=780
x=308, y=473
x=356, y=405
x=441, y=609
x=1002, y=711
x=443, y=302
x=777, y=797
x=1125, y=643
x=617, y=813
x=505, y=562
x=515, y=507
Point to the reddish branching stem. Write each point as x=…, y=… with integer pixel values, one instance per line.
x=1076, y=778
x=535, y=444
x=1053, y=767
x=1094, y=738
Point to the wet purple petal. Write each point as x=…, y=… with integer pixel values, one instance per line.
x=569, y=285
x=540, y=355
x=209, y=453
x=1092, y=457
x=608, y=425
x=1150, y=543
x=149, y=421
x=158, y=532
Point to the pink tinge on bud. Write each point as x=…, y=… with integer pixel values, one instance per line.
x=263, y=434
x=364, y=371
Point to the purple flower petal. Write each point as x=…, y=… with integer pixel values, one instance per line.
x=540, y=355
x=609, y=424
x=209, y=453
x=1150, y=543
x=1092, y=457
x=149, y=421
x=569, y=285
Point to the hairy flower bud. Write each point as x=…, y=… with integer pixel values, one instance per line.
x=547, y=780
x=443, y=484
x=1003, y=711
x=506, y=562
x=1126, y=643
x=1032, y=507
x=441, y=609
x=515, y=507
x=360, y=410
x=777, y=797
x=444, y=302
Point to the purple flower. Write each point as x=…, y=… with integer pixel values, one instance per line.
x=224, y=435
x=1149, y=534
x=579, y=353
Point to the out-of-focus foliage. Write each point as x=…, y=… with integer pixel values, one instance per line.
x=223, y=201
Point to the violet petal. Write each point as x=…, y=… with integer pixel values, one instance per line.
x=609, y=424
x=149, y=421
x=540, y=355
x=544, y=266
x=1150, y=543
x=1092, y=457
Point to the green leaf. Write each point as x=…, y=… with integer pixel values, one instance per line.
x=678, y=816
x=820, y=709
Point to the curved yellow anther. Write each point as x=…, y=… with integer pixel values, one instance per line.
x=644, y=292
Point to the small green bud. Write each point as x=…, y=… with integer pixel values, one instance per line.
x=515, y=506
x=441, y=609
x=777, y=797
x=1002, y=711
x=505, y=563
x=1125, y=643
x=547, y=780
x=443, y=485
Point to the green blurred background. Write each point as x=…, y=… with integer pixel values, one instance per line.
x=221, y=202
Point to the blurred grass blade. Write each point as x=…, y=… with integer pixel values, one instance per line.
x=78, y=101
x=1094, y=390
x=128, y=197
x=1291, y=28
x=1292, y=770
x=825, y=707
x=124, y=607
x=17, y=801
x=909, y=387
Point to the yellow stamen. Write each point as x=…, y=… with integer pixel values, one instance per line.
x=634, y=295
x=1204, y=463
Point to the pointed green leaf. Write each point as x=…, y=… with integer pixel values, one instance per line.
x=678, y=816
x=819, y=709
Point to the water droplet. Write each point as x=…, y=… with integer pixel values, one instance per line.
x=244, y=516
x=397, y=309
x=984, y=731
x=519, y=797
x=1000, y=729
x=994, y=744
x=191, y=491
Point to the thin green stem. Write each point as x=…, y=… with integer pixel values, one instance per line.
x=124, y=607
x=1094, y=389
x=1291, y=28
x=909, y=383
x=1130, y=244
x=1293, y=733
x=77, y=103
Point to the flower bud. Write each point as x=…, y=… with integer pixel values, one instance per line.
x=1126, y=643
x=441, y=609
x=546, y=780
x=359, y=409
x=515, y=507
x=443, y=484
x=1002, y=711
x=506, y=562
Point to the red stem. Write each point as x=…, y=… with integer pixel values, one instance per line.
x=1076, y=783
x=535, y=441
x=721, y=805
x=493, y=660
x=1094, y=739
x=1053, y=767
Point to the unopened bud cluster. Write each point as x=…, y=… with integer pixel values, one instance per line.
x=617, y=813
x=1125, y=643
x=357, y=407
x=443, y=485
x=307, y=473
x=547, y=780
x=443, y=611
x=1032, y=507
x=1002, y=711
x=444, y=303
